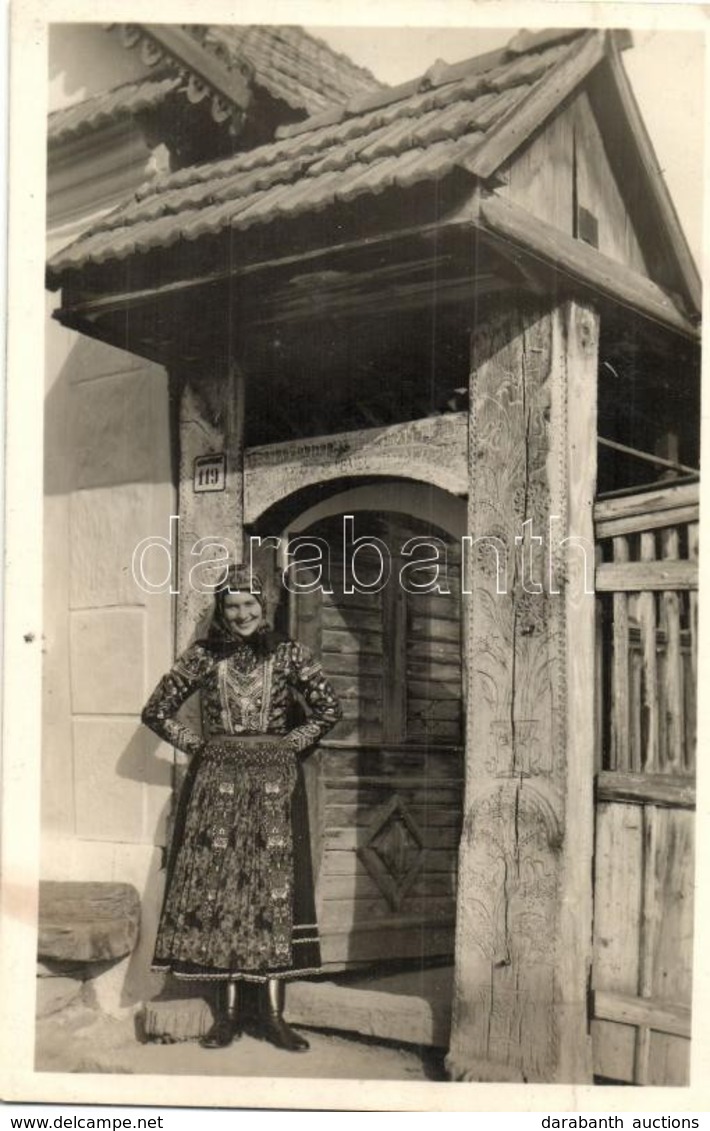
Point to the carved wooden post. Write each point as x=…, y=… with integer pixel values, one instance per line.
x=211, y=423
x=523, y=943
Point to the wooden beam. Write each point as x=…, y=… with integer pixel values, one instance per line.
x=660, y=1016
x=521, y=121
x=658, y=188
x=581, y=262
x=634, y=524
x=125, y=300
x=657, y=501
x=674, y=791
x=93, y=328
x=523, y=946
x=646, y=457
x=367, y=301
x=231, y=85
x=649, y=576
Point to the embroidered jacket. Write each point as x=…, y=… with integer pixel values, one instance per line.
x=244, y=693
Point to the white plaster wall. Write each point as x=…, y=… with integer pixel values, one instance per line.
x=108, y=483
x=106, y=781
x=85, y=59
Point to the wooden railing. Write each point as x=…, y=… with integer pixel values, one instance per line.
x=647, y=647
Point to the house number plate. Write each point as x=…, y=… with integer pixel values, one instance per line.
x=210, y=473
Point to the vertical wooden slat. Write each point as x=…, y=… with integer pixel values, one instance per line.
x=673, y=872
x=620, y=759
x=693, y=548
x=673, y=676
x=689, y=713
x=635, y=690
x=635, y=722
x=649, y=923
x=649, y=705
x=691, y=723
x=599, y=690
x=394, y=681
x=305, y=619
x=314, y=783
x=618, y=895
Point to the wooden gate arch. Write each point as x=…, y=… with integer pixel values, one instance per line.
x=385, y=789
x=430, y=451
x=422, y=501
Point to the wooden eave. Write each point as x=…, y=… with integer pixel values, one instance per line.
x=598, y=58
x=230, y=86
x=581, y=263
x=613, y=80
x=487, y=245
x=400, y=270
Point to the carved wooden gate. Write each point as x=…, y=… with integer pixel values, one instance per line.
x=385, y=789
x=647, y=580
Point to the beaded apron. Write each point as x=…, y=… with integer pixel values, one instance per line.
x=228, y=910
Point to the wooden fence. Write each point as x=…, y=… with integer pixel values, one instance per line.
x=647, y=621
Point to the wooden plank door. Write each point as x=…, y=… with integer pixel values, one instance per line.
x=645, y=820
x=385, y=788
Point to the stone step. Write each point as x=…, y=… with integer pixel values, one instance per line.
x=179, y=1019
x=87, y=922
x=56, y=993
x=412, y=1007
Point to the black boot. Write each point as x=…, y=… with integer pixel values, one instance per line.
x=273, y=1028
x=225, y=1028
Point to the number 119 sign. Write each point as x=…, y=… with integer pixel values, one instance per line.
x=210, y=473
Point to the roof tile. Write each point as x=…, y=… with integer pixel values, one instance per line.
x=288, y=62
x=526, y=68
x=122, y=101
x=292, y=64
x=411, y=135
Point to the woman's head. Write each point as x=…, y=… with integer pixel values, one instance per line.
x=240, y=603
x=242, y=613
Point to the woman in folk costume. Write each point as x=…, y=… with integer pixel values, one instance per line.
x=239, y=897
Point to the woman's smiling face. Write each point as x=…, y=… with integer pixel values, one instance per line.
x=243, y=613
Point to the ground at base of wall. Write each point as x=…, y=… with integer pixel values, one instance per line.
x=81, y=1039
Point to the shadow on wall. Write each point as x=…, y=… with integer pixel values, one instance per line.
x=104, y=415
x=140, y=762
x=85, y=59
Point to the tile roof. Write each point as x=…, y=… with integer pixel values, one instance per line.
x=107, y=106
x=418, y=132
x=287, y=62
x=291, y=64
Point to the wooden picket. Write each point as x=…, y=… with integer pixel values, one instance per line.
x=646, y=581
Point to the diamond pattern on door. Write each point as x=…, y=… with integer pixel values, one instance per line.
x=394, y=851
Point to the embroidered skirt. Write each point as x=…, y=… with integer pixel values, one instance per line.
x=239, y=893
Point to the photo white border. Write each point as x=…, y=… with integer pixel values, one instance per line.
x=23, y=592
